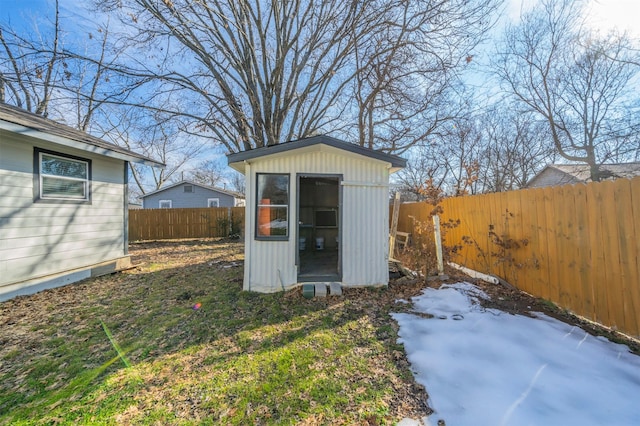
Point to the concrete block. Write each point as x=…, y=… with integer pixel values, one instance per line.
x=335, y=289
x=321, y=290
x=308, y=291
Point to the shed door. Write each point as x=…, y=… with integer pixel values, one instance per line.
x=319, y=228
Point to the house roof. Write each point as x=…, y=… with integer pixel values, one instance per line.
x=582, y=173
x=188, y=182
x=17, y=120
x=316, y=140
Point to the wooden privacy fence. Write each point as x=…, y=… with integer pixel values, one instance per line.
x=160, y=224
x=576, y=245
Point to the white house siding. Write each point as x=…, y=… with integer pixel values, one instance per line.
x=40, y=239
x=270, y=265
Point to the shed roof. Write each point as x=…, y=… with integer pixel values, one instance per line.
x=239, y=157
x=24, y=122
x=188, y=182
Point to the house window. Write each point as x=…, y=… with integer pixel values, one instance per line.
x=213, y=202
x=62, y=177
x=165, y=204
x=188, y=188
x=272, y=206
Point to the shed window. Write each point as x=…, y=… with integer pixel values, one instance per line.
x=213, y=202
x=272, y=206
x=62, y=177
x=188, y=188
x=165, y=204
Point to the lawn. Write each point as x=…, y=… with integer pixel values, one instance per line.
x=176, y=341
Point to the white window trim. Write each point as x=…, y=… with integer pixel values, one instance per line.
x=217, y=202
x=42, y=175
x=164, y=201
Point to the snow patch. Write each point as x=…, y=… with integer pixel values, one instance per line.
x=493, y=368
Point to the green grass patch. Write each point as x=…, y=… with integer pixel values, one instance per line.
x=178, y=342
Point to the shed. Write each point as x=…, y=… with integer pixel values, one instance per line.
x=317, y=210
x=188, y=194
x=63, y=204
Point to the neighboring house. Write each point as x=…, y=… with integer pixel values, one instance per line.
x=566, y=174
x=317, y=211
x=63, y=204
x=187, y=194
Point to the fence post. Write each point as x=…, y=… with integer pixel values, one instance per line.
x=438, y=238
x=394, y=226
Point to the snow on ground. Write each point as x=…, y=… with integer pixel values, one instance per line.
x=488, y=367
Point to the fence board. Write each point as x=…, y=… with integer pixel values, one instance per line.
x=585, y=285
x=583, y=251
x=634, y=292
x=626, y=246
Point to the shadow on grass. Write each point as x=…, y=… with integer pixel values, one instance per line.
x=201, y=350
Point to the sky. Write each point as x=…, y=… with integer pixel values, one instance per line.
x=487, y=367
x=603, y=15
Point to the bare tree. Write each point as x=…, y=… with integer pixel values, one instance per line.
x=405, y=90
x=207, y=173
x=516, y=147
x=150, y=133
x=425, y=170
x=237, y=182
x=253, y=73
x=78, y=86
x=577, y=81
x=29, y=68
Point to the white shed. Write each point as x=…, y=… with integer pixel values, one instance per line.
x=317, y=211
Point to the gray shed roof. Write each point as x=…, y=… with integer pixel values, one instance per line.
x=20, y=121
x=315, y=140
x=188, y=182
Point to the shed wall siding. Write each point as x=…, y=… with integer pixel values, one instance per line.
x=187, y=200
x=271, y=265
x=40, y=239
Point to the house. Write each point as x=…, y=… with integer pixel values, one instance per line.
x=187, y=194
x=317, y=211
x=566, y=174
x=63, y=204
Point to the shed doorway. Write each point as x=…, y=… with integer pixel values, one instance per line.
x=319, y=228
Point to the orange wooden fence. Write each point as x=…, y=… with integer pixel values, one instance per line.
x=160, y=224
x=576, y=245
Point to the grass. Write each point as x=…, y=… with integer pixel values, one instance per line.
x=132, y=348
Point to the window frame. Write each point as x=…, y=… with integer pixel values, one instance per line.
x=257, y=205
x=191, y=191
x=209, y=200
x=38, y=176
x=165, y=201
